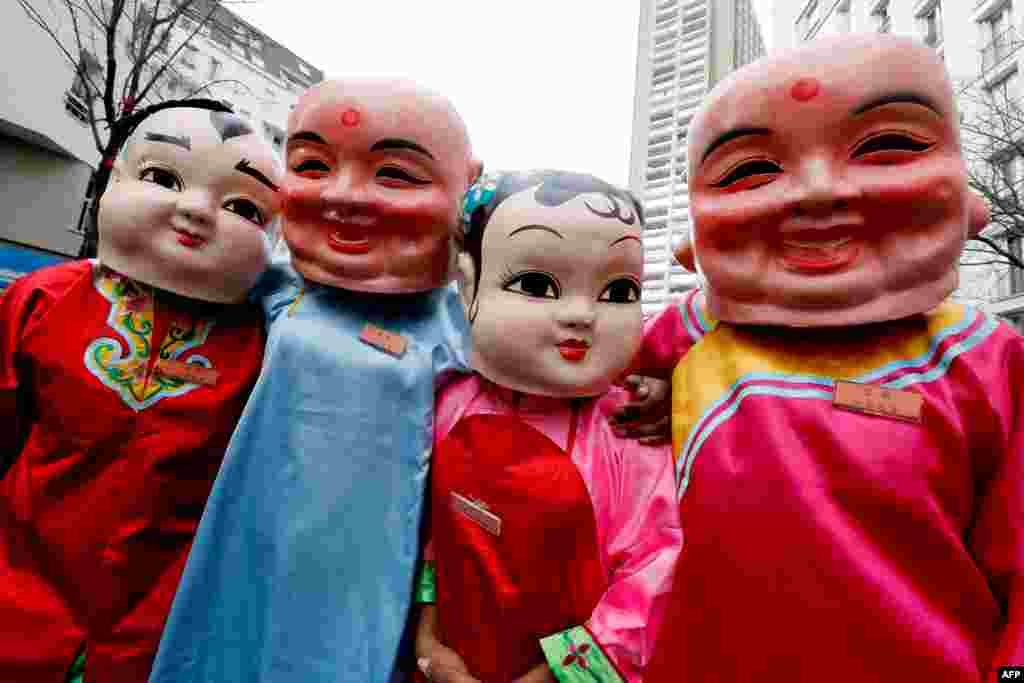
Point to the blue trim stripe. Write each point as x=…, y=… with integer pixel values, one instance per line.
x=703, y=430
x=699, y=314
x=683, y=473
x=926, y=357
x=684, y=306
x=700, y=433
x=954, y=350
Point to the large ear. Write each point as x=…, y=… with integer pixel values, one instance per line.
x=467, y=280
x=978, y=215
x=684, y=254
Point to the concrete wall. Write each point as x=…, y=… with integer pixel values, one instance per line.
x=40, y=196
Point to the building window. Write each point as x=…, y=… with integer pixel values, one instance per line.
x=931, y=25
x=1013, y=245
x=188, y=56
x=1006, y=89
x=806, y=20
x=1000, y=36
x=880, y=15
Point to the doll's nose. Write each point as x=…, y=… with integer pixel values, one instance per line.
x=197, y=206
x=577, y=312
x=822, y=188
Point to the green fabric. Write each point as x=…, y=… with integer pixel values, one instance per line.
x=575, y=657
x=77, y=670
x=426, y=587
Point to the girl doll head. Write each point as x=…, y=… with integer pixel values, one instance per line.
x=551, y=269
x=192, y=201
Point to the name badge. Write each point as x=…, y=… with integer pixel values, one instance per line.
x=388, y=342
x=477, y=512
x=875, y=400
x=186, y=372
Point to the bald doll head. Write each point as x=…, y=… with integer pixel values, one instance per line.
x=375, y=175
x=191, y=203
x=827, y=185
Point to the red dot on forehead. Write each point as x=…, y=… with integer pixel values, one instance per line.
x=805, y=89
x=350, y=117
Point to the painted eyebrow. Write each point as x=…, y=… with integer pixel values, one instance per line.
x=245, y=168
x=184, y=141
x=537, y=227
x=732, y=135
x=899, y=97
x=624, y=238
x=307, y=135
x=399, y=143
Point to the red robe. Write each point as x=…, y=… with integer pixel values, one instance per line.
x=113, y=459
x=489, y=581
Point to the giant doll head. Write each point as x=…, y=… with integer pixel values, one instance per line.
x=191, y=202
x=375, y=174
x=827, y=186
x=551, y=281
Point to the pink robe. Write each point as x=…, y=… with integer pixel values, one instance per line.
x=637, y=532
x=827, y=543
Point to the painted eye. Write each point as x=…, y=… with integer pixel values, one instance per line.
x=246, y=209
x=311, y=168
x=890, y=148
x=395, y=173
x=161, y=177
x=622, y=291
x=532, y=284
x=750, y=174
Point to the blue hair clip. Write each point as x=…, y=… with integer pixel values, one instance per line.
x=478, y=194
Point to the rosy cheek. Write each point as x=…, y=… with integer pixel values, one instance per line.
x=730, y=220
x=298, y=196
x=933, y=185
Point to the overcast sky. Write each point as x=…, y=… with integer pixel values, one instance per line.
x=540, y=82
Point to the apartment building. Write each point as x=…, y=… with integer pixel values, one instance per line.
x=685, y=47
x=980, y=42
x=47, y=151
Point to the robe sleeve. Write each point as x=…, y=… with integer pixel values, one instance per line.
x=997, y=539
x=643, y=538
x=669, y=335
x=22, y=305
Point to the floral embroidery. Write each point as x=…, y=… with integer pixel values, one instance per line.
x=574, y=656
x=124, y=366
x=577, y=655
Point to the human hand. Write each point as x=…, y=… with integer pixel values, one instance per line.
x=538, y=674
x=440, y=664
x=647, y=415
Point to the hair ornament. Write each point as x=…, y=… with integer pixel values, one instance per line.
x=478, y=194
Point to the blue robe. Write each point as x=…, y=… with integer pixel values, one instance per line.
x=302, y=568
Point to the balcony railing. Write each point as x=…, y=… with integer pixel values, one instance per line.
x=1001, y=47
x=75, y=107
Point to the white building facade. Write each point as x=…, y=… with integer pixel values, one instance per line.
x=47, y=151
x=685, y=47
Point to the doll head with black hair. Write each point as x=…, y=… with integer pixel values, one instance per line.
x=551, y=268
x=191, y=202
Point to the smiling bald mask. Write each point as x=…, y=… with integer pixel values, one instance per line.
x=827, y=186
x=191, y=205
x=375, y=174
